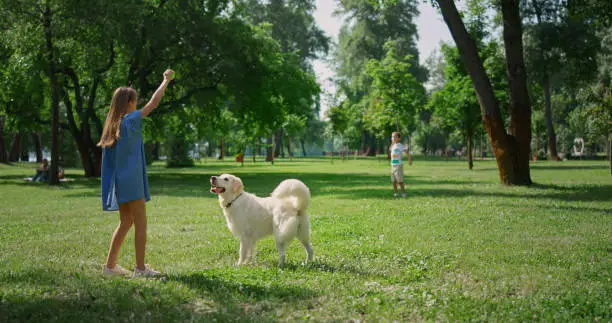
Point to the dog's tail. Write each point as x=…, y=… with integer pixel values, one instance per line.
x=296, y=190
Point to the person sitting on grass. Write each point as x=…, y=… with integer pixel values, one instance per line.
x=42, y=173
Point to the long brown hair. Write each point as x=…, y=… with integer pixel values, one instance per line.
x=119, y=106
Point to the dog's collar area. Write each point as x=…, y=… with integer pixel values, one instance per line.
x=227, y=206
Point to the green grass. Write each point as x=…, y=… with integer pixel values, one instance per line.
x=460, y=247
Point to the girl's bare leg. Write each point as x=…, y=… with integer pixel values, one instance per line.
x=140, y=231
x=126, y=218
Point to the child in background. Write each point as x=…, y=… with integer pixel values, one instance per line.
x=397, y=166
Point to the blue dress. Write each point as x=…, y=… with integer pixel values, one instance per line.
x=124, y=170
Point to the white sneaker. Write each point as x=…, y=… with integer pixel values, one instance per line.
x=147, y=272
x=394, y=194
x=403, y=194
x=115, y=271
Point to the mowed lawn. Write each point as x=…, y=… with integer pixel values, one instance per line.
x=460, y=247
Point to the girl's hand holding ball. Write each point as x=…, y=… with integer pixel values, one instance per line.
x=169, y=75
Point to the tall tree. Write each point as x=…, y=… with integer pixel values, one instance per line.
x=218, y=56
x=456, y=104
x=511, y=147
x=293, y=26
x=366, y=29
x=552, y=60
x=395, y=96
x=48, y=19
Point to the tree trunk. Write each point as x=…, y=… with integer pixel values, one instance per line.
x=255, y=150
x=363, y=142
x=3, y=154
x=520, y=112
x=270, y=149
x=469, y=152
x=409, y=149
x=278, y=144
x=37, y=147
x=332, y=149
x=303, y=144
x=221, y=149
x=94, y=152
x=80, y=138
x=537, y=148
x=610, y=152
x=156, y=151
x=550, y=130
x=25, y=156
x=53, y=180
x=289, y=148
x=370, y=144
x=481, y=146
x=210, y=150
x=13, y=155
x=86, y=161
x=511, y=150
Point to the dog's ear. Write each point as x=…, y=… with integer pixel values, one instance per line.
x=237, y=187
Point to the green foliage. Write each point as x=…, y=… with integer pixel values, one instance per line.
x=367, y=28
x=178, y=147
x=222, y=58
x=292, y=25
x=549, y=54
x=456, y=105
x=593, y=119
x=396, y=95
x=430, y=137
x=294, y=125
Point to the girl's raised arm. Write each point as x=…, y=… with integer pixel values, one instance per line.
x=157, y=96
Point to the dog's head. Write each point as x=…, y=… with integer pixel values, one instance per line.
x=225, y=185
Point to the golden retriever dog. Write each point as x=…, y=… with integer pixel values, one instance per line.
x=252, y=218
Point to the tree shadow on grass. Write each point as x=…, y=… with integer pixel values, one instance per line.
x=581, y=193
x=44, y=295
x=18, y=180
x=562, y=167
x=195, y=183
x=229, y=292
x=570, y=208
x=262, y=184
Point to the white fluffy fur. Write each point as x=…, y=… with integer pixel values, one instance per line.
x=252, y=218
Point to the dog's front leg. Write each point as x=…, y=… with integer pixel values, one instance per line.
x=280, y=245
x=245, y=245
x=247, y=251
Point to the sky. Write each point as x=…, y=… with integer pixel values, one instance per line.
x=432, y=31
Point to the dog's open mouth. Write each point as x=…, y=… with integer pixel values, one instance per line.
x=217, y=189
x=214, y=188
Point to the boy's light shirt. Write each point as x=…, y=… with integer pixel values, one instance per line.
x=396, y=153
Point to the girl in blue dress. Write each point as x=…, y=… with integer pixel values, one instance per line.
x=124, y=174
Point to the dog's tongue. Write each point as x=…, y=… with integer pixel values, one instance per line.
x=217, y=190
